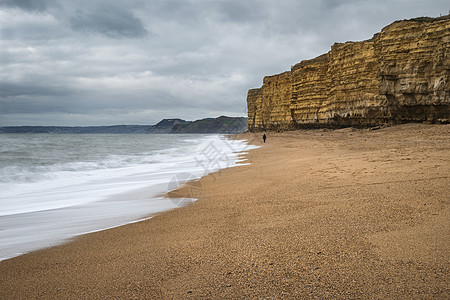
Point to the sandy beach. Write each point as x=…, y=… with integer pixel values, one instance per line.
x=317, y=214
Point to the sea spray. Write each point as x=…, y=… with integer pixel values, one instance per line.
x=53, y=187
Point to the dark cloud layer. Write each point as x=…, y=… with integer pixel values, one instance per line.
x=10, y=90
x=27, y=5
x=110, y=20
x=93, y=62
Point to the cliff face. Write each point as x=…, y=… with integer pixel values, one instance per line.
x=310, y=85
x=400, y=75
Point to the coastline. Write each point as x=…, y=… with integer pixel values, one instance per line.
x=121, y=178
x=321, y=213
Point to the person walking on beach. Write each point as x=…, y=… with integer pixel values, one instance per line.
x=264, y=137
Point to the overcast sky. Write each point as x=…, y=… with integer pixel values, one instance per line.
x=93, y=62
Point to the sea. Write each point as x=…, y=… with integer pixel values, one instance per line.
x=54, y=187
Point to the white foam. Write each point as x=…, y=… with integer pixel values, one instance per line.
x=76, y=198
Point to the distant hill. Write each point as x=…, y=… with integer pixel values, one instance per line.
x=166, y=125
x=118, y=129
x=212, y=125
x=209, y=125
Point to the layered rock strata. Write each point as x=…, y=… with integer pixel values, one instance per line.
x=400, y=75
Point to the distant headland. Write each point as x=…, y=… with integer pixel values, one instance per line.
x=222, y=124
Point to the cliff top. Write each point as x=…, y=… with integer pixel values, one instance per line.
x=318, y=59
x=427, y=19
x=285, y=73
x=322, y=59
x=417, y=20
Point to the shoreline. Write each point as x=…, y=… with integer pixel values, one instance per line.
x=343, y=213
x=53, y=212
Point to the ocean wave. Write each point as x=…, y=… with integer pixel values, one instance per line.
x=44, y=185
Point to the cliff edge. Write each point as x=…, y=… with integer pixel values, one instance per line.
x=400, y=75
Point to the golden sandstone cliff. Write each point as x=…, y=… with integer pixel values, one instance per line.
x=400, y=75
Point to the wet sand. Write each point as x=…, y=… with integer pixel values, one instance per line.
x=318, y=214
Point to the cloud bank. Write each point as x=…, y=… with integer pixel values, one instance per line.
x=135, y=62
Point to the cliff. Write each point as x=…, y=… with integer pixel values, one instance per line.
x=224, y=125
x=165, y=126
x=400, y=75
x=221, y=124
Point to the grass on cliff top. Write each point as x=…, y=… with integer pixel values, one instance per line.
x=429, y=19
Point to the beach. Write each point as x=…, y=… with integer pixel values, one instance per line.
x=57, y=186
x=348, y=213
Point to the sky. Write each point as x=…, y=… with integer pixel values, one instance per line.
x=94, y=62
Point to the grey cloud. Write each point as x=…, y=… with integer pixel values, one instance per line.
x=58, y=68
x=242, y=11
x=28, y=5
x=31, y=32
x=109, y=20
x=8, y=90
x=180, y=11
x=30, y=105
